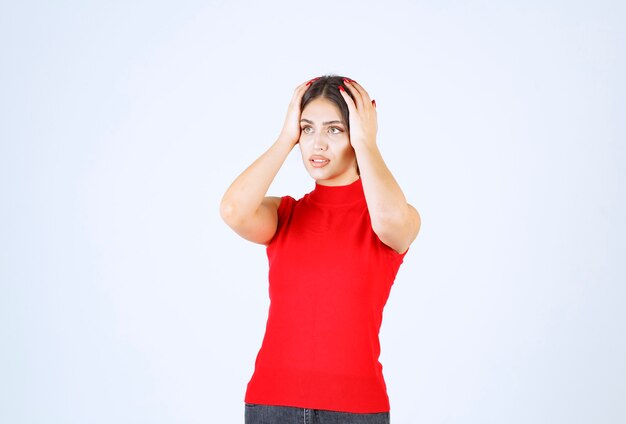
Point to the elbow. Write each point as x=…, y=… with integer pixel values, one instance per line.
x=397, y=229
x=228, y=212
x=384, y=222
x=417, y=223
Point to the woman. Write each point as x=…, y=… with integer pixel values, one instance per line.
x=333, y=256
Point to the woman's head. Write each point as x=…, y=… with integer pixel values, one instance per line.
x=324, y=141
x=327, y=87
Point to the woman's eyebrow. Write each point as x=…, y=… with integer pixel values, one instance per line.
x=323, y=123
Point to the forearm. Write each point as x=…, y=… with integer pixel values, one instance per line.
x=395, y=222
x=385, y=200
x=245, y=195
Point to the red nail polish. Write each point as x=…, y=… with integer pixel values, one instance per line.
x=311, y=81
x=374, y=103
x=341, y=88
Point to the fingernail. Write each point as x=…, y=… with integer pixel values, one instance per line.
x=374, y=103
x=341, y=88
x=346, y=80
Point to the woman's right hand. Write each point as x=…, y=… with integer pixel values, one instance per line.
x=291, y=128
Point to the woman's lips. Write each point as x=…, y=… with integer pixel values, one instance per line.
x=318, y=161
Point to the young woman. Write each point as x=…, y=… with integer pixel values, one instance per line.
x=333, y=256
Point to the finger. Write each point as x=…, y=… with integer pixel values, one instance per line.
x=311, y=81
x=358, y=99
x=299, y=91
x=302, y=88
x=352, y=108
x=298, y=94
x=362, y=92
x=374, y=103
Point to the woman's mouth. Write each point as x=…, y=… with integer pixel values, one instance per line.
x=318, y=161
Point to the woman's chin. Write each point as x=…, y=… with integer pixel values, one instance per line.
x=318, y=173
x=319, y=176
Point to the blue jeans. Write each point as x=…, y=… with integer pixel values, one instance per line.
x=265, y=414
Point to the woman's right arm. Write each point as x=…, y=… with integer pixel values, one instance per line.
x=244, y=207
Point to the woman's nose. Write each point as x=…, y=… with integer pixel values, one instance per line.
x=319, y=143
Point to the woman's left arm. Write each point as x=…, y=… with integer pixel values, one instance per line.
x=395, y=222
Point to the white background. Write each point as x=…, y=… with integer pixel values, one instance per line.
x=124, y=298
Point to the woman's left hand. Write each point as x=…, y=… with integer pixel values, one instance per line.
x=363, y=120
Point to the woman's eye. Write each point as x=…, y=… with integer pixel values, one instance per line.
x=306, y=130
x=334, y=130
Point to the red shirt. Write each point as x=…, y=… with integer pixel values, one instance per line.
x=329, y=280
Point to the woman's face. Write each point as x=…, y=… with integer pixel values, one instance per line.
x=324, y=142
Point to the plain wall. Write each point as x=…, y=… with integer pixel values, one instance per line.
x=123, y=296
